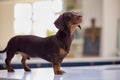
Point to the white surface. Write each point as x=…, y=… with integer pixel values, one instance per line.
x=72, y=73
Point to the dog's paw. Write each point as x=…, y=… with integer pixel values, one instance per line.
x=27, y=70
x=60, y=72
x=11, y=70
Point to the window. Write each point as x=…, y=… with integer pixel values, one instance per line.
x=36, y=18
x=22, y=15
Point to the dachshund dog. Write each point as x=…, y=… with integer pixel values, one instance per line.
x=53, y=48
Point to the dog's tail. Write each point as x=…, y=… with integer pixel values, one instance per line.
x=3, y=50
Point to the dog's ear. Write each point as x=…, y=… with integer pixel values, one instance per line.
x=59, y=23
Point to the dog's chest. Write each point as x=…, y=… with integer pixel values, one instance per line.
x=62, y=52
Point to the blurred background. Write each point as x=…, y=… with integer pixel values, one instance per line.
x=99, y=38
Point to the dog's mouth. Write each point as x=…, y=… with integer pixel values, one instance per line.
x=78, y=21
x=79, y=26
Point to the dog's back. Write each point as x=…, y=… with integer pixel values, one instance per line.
x=32, y=45
x=52, y=49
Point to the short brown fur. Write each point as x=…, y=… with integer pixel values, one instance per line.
x=53, y=48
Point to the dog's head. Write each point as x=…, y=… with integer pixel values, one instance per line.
x=69, y=20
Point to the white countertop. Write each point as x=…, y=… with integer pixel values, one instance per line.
x=72, y=73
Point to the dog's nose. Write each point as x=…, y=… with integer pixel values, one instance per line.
x=79, y=17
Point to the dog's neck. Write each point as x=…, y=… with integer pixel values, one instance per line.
x=65, y=39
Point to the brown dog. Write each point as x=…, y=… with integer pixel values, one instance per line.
x=52, y=49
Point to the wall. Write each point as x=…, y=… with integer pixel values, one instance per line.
x=6, y=23
x=109, y=32
x=7, y=20
x=92, y=9
x=106, y=13
x=119, y=8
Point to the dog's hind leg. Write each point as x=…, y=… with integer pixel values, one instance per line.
x=8, y=62
x=23, y=61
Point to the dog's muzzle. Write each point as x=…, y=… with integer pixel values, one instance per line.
x=79, y=26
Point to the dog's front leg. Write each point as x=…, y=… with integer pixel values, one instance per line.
x=56, y=68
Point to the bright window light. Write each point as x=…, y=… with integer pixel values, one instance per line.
x=23, y=10
x=22, y=15
x=43, y=18
x=37, y=18
x=57, y=5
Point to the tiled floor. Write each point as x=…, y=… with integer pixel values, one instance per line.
x=72, y=73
